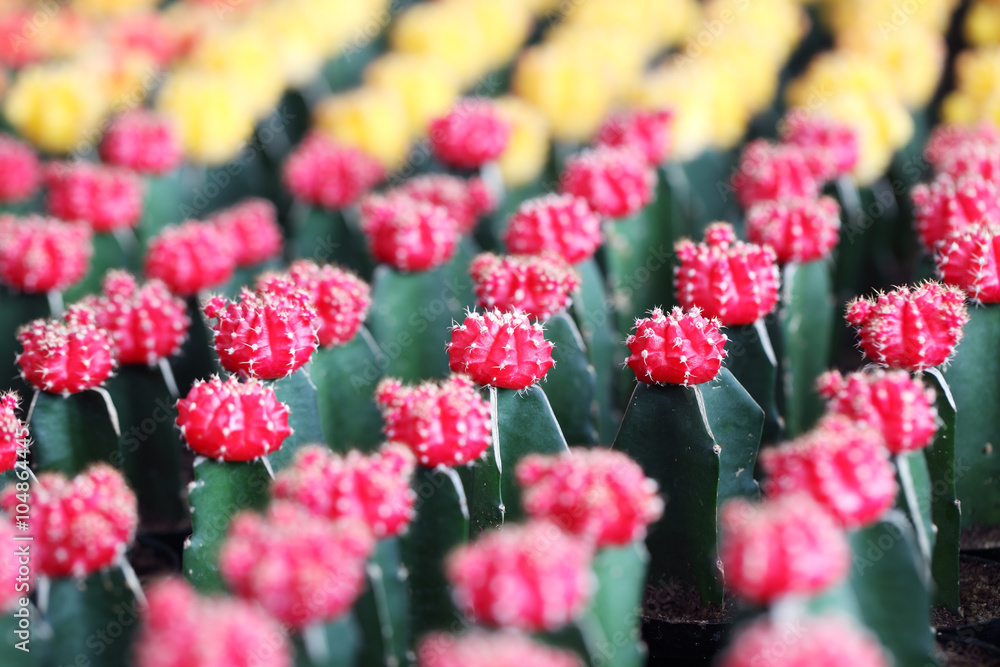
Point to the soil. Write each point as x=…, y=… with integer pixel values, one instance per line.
x=678, y=603
x=968, y=654
x=978, y=586
x=981, y=537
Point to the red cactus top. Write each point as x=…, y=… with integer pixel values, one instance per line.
x=500, y=349
x=470, y=135
x=143, y=141
x=539, y=285
x=443, y=423
x=282, y=559
x=79, y=525
x=598, y=494
x=252, y=226
x=231, y=420
x=39, y=254
x=504, y=579
x=774, y=171
x=107, y=198
x=407, y=234
x=372, y=488
x=325, y=174
x=13, y=434
x=898, y=406
x=819, y=641
x=181, y=629
x=649, y=132
x=477, y=648
x=832, y=146
x=191, y=257
x=947, y=205
x=264, y=335
x=146, y=322
x=20, y=170
x=615, y=182
x=563, y=224
x=681, y=347
x=913, y=328
x=967, y=258
x=800, y=230
x=340, y=298
x=733, y=281
x=66, y=356
x=781, y=546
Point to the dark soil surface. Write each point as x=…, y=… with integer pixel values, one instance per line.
x=676, y=603
x=981, y=537
x=979, y=585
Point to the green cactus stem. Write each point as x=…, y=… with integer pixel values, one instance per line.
x=611, y=622
x=383, y=610
x=752, y=361
x=570, y=384
x=327, y=236
x=345, y=377
x=71, y=433
x=805, y=318
x=524, y=424
x=946, y=511
x=972, y=376
x=700, y=444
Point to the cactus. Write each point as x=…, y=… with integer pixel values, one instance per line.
x=716, y=426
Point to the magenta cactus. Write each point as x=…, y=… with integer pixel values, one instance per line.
x=191, y=257
x=300, y=568
x=898, y=406
x=107, y=198
x=843, y=467
x=500, y=649
x=79, y=525
x=947, y=205
x=913, y=328
x=324, y=174
x=445, y=423
x=799, y=230
x=780, y=547
x=142, y=141
x=818, y=641
x=538, y=285
x=966, y=258
x=13, y=433
x=264, y=335
x=681, y=347
x=730, y=280
x=66, y=356
x=39, y=254
x=563, y=224
x=20, y=169
x=252, y=226
x=597, y=494
x=832, y=146
x=615, y=182
x=182, y=629
x=771, y=172
x=531, y=577
x=374, y=488
x=407, y=234
x=470, y=135
x=500, y=349
x=146, y=322
x=648, y=132
x=465, y=200
x=230, y=420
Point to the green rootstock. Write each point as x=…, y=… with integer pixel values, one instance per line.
x=594, y=315
x=946, y=511
x=219, y=492
x=439, y=526
x=527, y=425
x=570, y=384
x=326, y=236
x=412, y=314
x=752, y=361
x=345, y=377
x=806, y=327
x=611, y=623
x=974, y=378
x=151, y=444
x=887, y=591
x=383, y=611
x=299, y=394
x=71, y=433
x=339, y=642
x=699, y=443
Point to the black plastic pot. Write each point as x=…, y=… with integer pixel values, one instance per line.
x=973, y=650
x=683, y=644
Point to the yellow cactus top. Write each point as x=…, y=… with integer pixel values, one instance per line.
x=295, y=37
x=57, y=107
x=978, y=72
x=573, y=91
x=427, y=85
x=779, y=24
x=371, y=118
x=982, y=23
x=887, y=15
x=833, y=72
x=447, y=30
x=504, y=27
x=527, y=151
x=612, y=48
x=913, y=55
x=108, y=8
x=244, y=56
x=212, y=119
